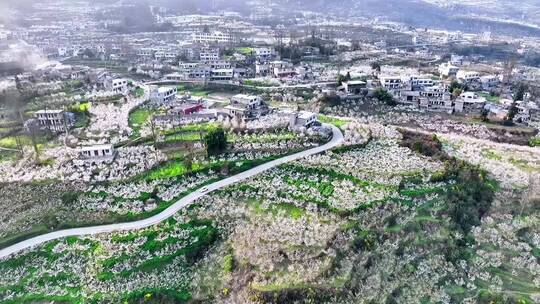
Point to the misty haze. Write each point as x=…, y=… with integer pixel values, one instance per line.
x=277, y=151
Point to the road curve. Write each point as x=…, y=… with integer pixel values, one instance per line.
x=337, y=139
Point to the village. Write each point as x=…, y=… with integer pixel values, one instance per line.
x=256, y=153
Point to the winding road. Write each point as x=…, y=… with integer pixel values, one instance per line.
x=337, y=139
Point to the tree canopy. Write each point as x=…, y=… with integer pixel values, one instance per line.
x=216, y=141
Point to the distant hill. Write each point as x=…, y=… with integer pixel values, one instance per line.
x=459, y=15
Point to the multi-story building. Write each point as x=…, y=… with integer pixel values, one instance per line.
x=527, y=112
x=118, y=85
x=209, y=55
x=162, y=94
x=222, y=74
x=435, y=98
x=446, y=69
x=390, y=82
x=430, y=98
x=262, y=69
x=265, y=53
x=418, y=82
x=247, y=106
x=456, y=60
x=467, y=76
x=97, y=153
x=469, y=102
x=218, y=64
x=282, y=68
x=354, y=87
x=489, y=82
x=213, y=37
x=188, y=66
x=302, y=119
x=200, y=72
x=54, y=120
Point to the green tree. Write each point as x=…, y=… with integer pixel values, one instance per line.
x=376, y=67
x=341, y=79
x=520, y=92
x=509, y=119
x=456, y=92
x=384, y=96
x=216, y=141
x=484, y=114
x=188, y=162
x=331, y=99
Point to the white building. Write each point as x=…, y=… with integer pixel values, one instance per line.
x=456, y=60
x=200, y=72
x=264, y=53
x=262, y=69
x=282, y=69
x=54, y=120
x=188, y=66
x=469, y=102
x=222, y=74
x=145, y=52
x=250, y=101
x=489, y=81
x=209, y=55
x=420, y=81
x=247, y=106
x=213, y=37
x=468, y=76
x=527, y=112
x=162, y=94
x=219, y=64
x=97, y=153
x=446, y=69
x=354, y=87
x=390, y=82
x=62, y=52
x=303, y=119
x=118, y=85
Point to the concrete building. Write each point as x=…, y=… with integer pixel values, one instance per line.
x=527, y=112
x=188, y=66
x=54, y=120
x=467, y=76
x=489, y=82
x=447, y=70
x=145, y=52
x=213, y=37
x=162, y=94
x=218, y=64
x=200, y=72
x=303, y=119
x=97, y=153
x=222, y=74
x=282, y=69
x=262, y=69
x=456, y=60
x=390, y=82
x=265, y=53
x=118, y=85
x=209, y=55
x=469, y=102
x=418, y=82
x=247, y=106
x=354, y=87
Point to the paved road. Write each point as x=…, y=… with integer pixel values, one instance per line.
x=337, y=139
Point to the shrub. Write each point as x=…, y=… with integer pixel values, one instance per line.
x=216, y=141
x=384, y=96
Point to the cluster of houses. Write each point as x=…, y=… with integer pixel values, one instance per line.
x=433, y=93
